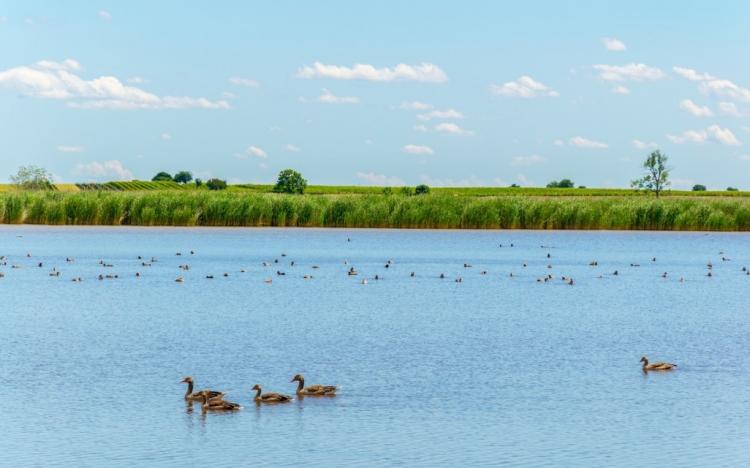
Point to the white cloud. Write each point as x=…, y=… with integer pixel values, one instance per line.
x=109, y=169
x=524, y=180
x=437, y=114
x=631, y=71
x=4, y=18
x=526, y=160
x=139, y=156
x=471, y=181
x=29, y=21
x=427, y=73
x=420, y=128
x=643, y=145
x=724, y=89
x=730, y=109
x=291, y=148
x=525, y=87
x=329, y=98
x=138, y=79
x=745, y=129
x=692, y=75
x=452, y=129
x=745, y=157
x=559, y=143
x=613, y=44
x=691, y=108
x=263, y=166
x=368, y=142
x=500, y=182
x=414, y=105
x=379, y=179
x=52, y=80
x=414, y=149
x=275, y=128
x=586, y=143
x=255, y=151
x=621, y=90
x=240, y=155
x=687, y=183
x=166, y=136
x=105, y=15
x=71, y=149
x=244, y=82
x=712, y=133
x=301, y=99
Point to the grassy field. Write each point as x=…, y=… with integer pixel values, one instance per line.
x=205, y=208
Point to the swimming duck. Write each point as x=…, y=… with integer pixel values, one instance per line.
x=69, y=260
x=377, y=277
x=307, y=277
x=664, y=275
x=243, y=271
x=280, y=273
x=226, y=274
x=283, y=255
x=266, y=264
x=269, y=397
x=178, y=253
x=189, y=395
x=442, y=275
x=315, y=266
x=483, y=272
x=571, y=282
x=511, y=274
x=653, y=259
x=525, y=265
x=180, y=280
x=459, y=280
x=210, y=277
x=682, y=280
x=269, y=280
x=217, y=404
x=593, y=263
x=192, y=253
x=313, y=390
x=656, y=366
x=615, y=273
x=292, y=263
x=57, y=273
x=549, y=256
x=549, y=266
x=386, y=265
x=137, y=274
x=709, y=274
x=364, y=281
x=412, y=273
x=466, y=265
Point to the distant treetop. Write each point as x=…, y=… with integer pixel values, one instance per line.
x=162, y=176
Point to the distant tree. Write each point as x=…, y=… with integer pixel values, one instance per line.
x=565, y=183
x=732, y=189
x=32, y=178
x=655, y=173
x=387, y=191
x=198, y=182
x=581, y=186
x=406, y=191
x=183, y=177
x=162, y=177
x=515, y=186
x=421, y=189
x=699, y=188
x=290, y=182
x=216, y=184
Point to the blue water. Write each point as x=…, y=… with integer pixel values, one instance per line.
x=495, y=370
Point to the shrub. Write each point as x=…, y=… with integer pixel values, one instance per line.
x=216, y=184
x=422, y=189
x=565, y=183
x=32, y=178
x=290, y=182
x=699, y=188
x=162, y=176
x=198, y=182
x=732, y=189
x=406, y=191
x=387, y=191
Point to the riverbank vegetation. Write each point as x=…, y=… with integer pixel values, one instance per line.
x=226, y=208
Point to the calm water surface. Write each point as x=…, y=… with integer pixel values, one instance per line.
x=496, y=370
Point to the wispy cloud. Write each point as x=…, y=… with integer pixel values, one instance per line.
x=138, y=80
x=291, y=148
x=426, y=72
x=452, y=129
x=228, y=95
x=559, y=143
x=525, y=87
x=166, y=136
x=105, y=15
x=712, y=133
x=643, y=145
x=244, y=82
x=420, y=128
x=526, y=160
x=255, y=151
x=629, y=72
x=621, y=90
x=524, y=180
x=71, y=149
x=691, y=108
x=414, y=105
x=415, y=149
x=580, y=142
x=613, y=44
x=110, y=169
x=437, y=114
x=380, y=179
x=724, y=89
x=692, y=75
x=329, y=98
x=51, y=80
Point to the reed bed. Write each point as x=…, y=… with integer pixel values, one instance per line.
x=435, y=211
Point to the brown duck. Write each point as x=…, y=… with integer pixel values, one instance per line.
x=656, y=366
x=269, y=397
x=313, y=390
x=217, y=404
x=189, y=395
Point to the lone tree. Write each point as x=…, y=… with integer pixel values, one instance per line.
x=421, y=189
x=216, y=184
x=655, y=173
x=183, y=177
x=565, y=183
x=32, y=178
x=290, y=182
x=699, y=188
x=162, y=177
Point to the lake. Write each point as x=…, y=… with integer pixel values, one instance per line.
x=494, y=370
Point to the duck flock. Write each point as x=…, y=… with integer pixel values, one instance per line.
x=213, y=400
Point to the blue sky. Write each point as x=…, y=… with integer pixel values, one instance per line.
x=387, y=93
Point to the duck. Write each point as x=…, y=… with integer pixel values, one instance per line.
x=192, y=252
x=137, y=273
x=483, y=272
x=593, y=263
x=391, y=262
x=180, y=280
x=525, y=265
x=17, y=266
x=466, y=265
x=653, y=259
x=442, y=276
x=145, y=264
x=280, y=273
x=266, y=264
x=101, y=277
x=28, y=255
x=682, y=280
x=571, y=282
x=69, y=260
x=710, y=266
x=616, y=273
x=511, y=274
x=664, y=275
x=313, y=390
x=283, y=255
x=386, y=265
x=217, y=404
x=269, y=397
x=364, y=281
x=226, y=274
x=377, y=277
x=412, y=274
x=57, y=273
x=189, y=395
x=243, y=271
x=656, y=366
x=549, y=266
x=709, y=274
x=153, y=259
x=549, y=256
x=307, y=277
x=292, y=263
x=315, y=266
x=269, y=280
x=178, y=253
x=209, y=276
x=459, y=280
